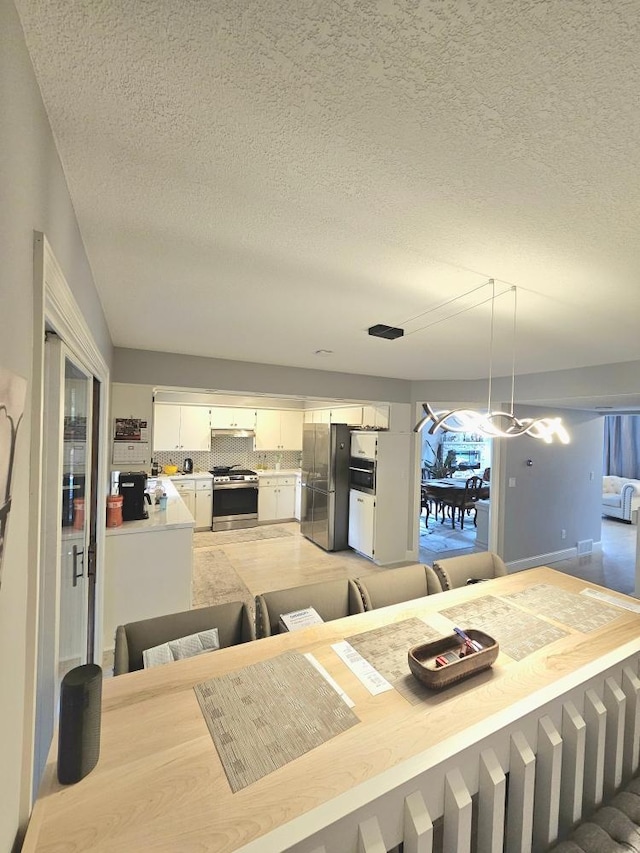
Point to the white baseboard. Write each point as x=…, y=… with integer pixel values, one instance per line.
x=548, y=559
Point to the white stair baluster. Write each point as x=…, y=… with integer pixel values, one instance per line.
x=574, y=731
x=615, y=702
x=418, y=826
x=492, y=789
x=548, y=775
x=595, y=717
x=522, y=777
x=631, y=689
x=457, y=814
x=370, y=837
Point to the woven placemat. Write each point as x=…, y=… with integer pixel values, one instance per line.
x=269, y=713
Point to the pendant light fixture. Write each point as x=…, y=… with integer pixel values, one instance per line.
x=494, y=423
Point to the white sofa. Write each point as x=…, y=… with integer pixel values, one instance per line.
x=620, y=497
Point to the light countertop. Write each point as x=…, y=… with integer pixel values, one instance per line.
x=176, y=514
x=197, y=475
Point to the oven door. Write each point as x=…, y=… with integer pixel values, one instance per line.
x=362, y=475
x=235, y=505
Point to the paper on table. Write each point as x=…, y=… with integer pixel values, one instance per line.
x=361, y=668
x=329, y=679
x=611, y=599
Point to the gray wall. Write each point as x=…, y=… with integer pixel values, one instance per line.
x=34, y=197
x=243, y=377
x=561, y=490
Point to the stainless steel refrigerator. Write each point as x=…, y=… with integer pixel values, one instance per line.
x=325, y=485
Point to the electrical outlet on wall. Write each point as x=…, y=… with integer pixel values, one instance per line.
x=563, y=533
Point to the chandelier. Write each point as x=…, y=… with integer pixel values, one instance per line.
x=492, y=423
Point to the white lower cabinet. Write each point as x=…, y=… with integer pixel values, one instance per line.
x=362, y=516
x=204, y=504
x=276, y=498
x=197, y=495
x=187, y=491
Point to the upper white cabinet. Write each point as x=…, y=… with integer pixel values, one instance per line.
x=181, y=427
x=367, y=417
x=351, y=415
x=232, y=418
x=375, y=417
x=319, y=416
x=364, y=445
x=278, y=430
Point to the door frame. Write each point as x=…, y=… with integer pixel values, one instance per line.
x=55, y=308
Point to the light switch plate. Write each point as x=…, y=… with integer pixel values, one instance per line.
x=512, y=482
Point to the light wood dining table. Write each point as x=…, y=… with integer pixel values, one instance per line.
x=160, y=785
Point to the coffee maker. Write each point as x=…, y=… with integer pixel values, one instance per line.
x=131, y=486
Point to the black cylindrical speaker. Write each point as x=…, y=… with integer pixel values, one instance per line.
x=79, y=728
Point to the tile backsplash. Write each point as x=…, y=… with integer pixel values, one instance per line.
x=228, y=450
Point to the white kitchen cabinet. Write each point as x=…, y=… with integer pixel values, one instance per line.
x=203, y=504
x=364, y=445
x=375, y=417
x=362, y=515
x=223, y=417
x=351, y=415
x=379, y=521
x=186, y=488
x=278, y=430
x=276, y=498
x=166, y=427
x=181, y=428
x=317, y=416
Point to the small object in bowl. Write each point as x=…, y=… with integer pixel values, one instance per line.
x=432, y=673
x=169, y=470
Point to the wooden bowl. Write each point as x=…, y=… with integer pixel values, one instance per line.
x=423, y=665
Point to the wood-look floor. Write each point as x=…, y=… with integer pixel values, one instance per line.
x=293, y=561
x=265, y=565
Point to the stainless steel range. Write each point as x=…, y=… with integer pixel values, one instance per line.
x=235, y=498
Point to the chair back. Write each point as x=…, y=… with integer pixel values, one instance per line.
x=391, y=586
x=330, y=599
x=456, y=571
x=233, y=621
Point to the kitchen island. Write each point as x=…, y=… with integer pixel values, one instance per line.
x=148, y=565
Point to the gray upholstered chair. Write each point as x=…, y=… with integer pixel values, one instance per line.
x=232, y=620
x=457, y=571
x=330, y=599
x=391, y=586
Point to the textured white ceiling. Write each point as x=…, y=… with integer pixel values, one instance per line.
x=260, y=180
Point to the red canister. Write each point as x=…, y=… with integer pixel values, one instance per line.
x=114, y=510
x=78, y=513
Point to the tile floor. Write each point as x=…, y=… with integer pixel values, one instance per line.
x=612, y=567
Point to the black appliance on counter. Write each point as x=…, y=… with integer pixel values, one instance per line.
x=235, y=498
x=131, y=485
x=72, y=487
x=187, y=466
